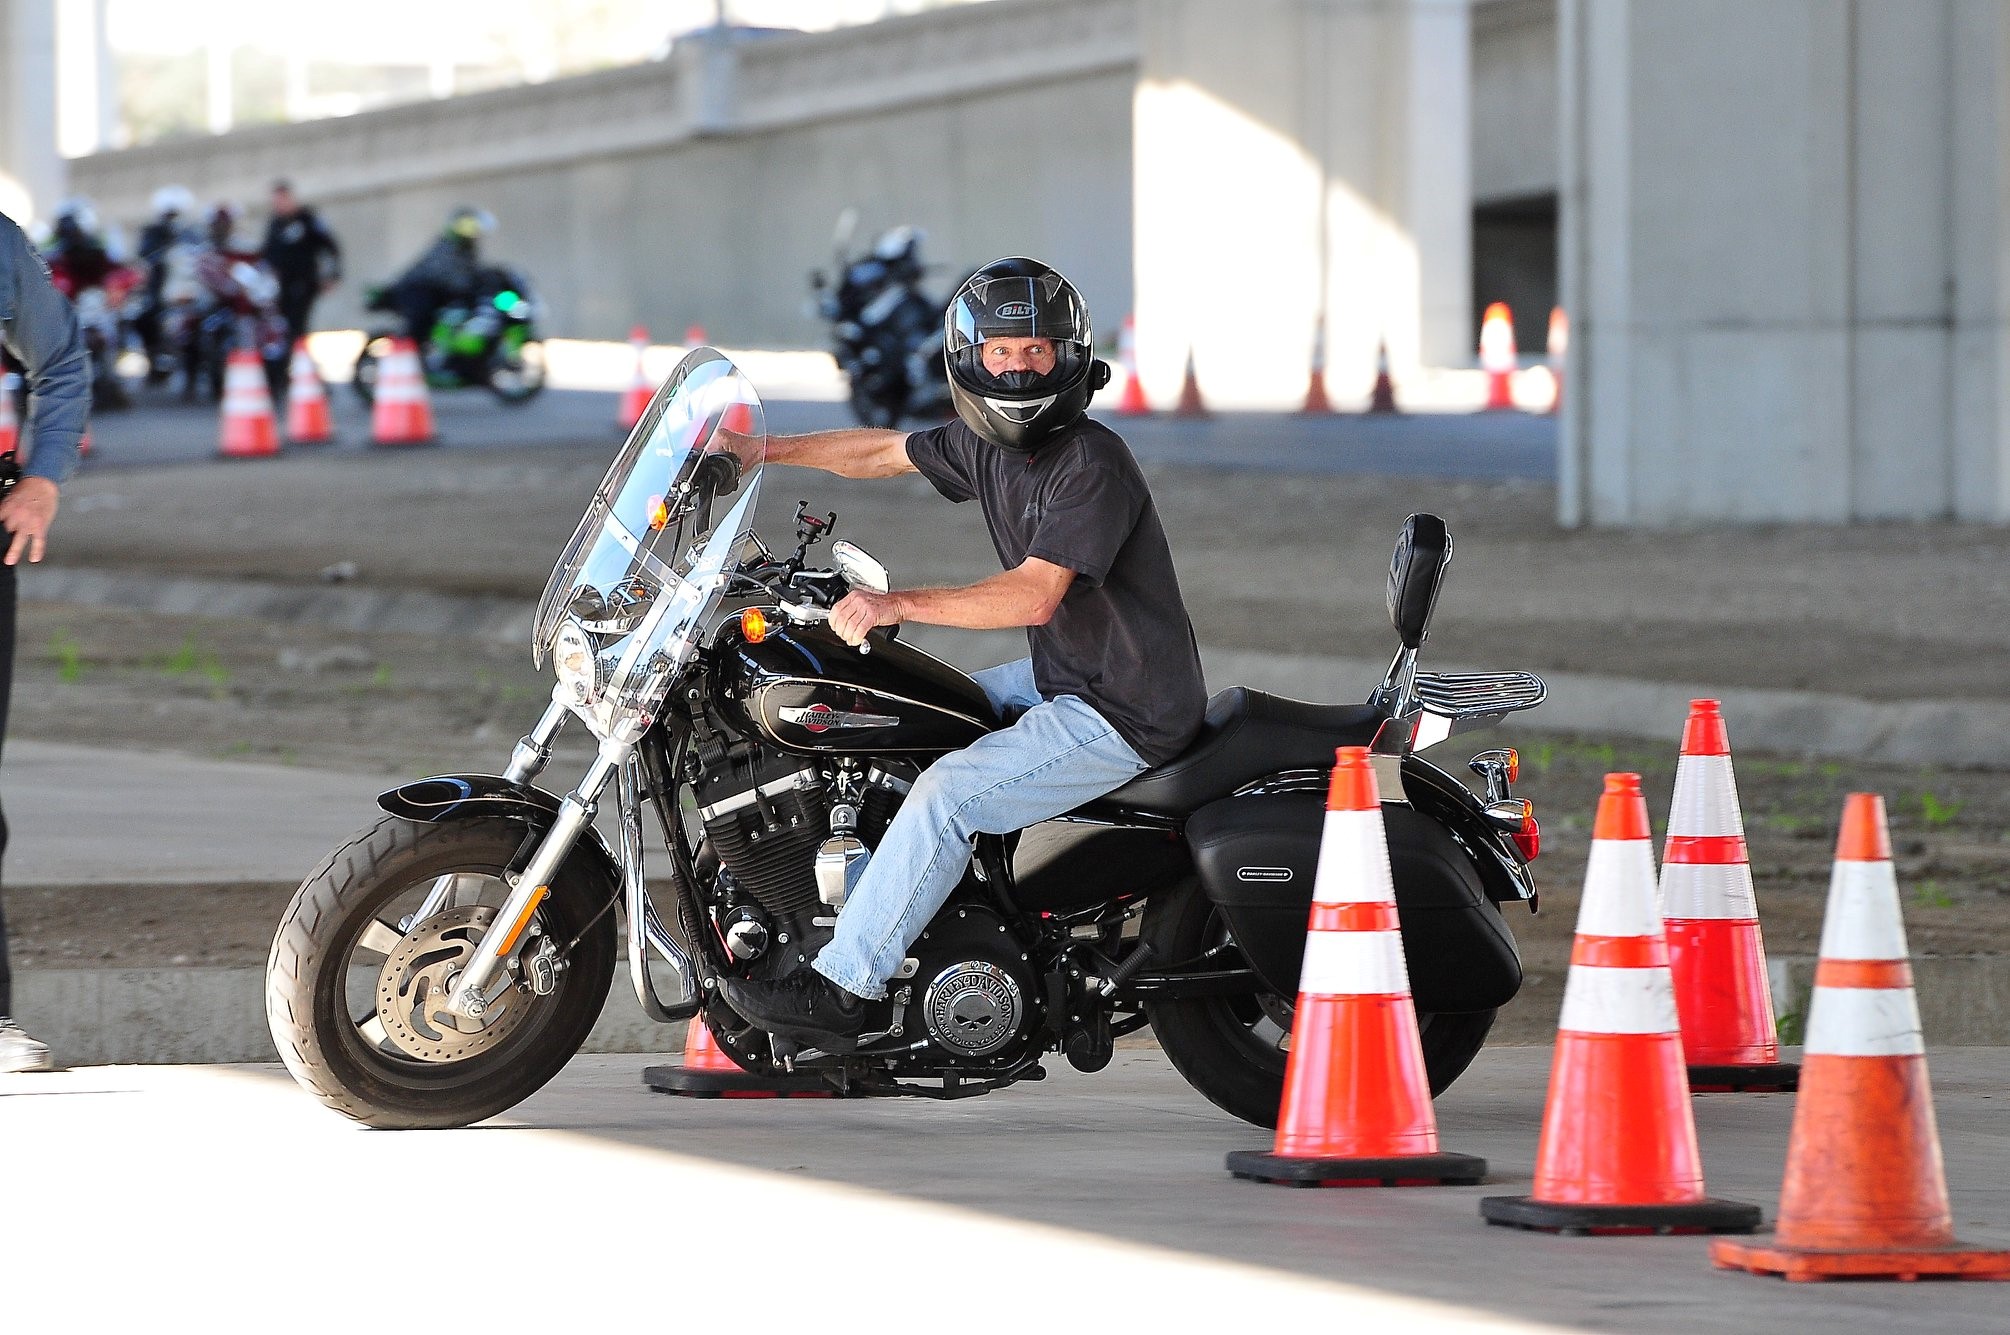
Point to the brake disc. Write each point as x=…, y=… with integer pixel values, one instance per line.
x=413, y=987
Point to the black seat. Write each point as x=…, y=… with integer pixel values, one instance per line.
x=1245, y=736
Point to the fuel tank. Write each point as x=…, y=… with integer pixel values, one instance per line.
x=803, y=689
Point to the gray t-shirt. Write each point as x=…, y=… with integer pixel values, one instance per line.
x=1120, y=639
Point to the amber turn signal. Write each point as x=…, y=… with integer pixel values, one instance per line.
x=754, y=625
x=1513, y=764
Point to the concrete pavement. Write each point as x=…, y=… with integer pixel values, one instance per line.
x=1094, y=1200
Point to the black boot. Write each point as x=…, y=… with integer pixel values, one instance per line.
x=804, y=1006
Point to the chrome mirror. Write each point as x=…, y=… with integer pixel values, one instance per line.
x=858, y=568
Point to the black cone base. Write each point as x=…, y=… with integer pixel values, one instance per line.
x=1765, y=1078
x=1409, y=1170
x=687, y=1082
x=1704, y=1216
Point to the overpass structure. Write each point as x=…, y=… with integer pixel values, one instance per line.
x=1782, y=230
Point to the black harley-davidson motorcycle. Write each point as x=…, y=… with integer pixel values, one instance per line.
x=451, y=958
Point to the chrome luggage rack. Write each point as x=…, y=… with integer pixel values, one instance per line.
x=1479, y=697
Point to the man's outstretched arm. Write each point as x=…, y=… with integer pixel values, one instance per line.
x=863, y=452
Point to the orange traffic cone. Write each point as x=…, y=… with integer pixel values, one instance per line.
x=249, y=431
x=1190, y=404
x=708, y=1073
x=635, y=399
x=306, y=401
x=694, y=335
x=10, y=427
x=1315, y=389
x=1715, y=951
x=402, y=414
x=738, y=417
x=1618, y=1150
x=1133, y=402
x=1382, y=399
x=1497, y=356
x=1357, y=1101
x=1558, y=350
x=1865, y=1193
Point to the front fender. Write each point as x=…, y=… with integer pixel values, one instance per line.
x=451, y=797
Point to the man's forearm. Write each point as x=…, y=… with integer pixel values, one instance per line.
x=863, y=452
x=1001, y=602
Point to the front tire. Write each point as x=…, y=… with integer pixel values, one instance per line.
x=1231, y=1049
x=386, y=1062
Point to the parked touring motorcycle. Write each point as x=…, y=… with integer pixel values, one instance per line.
x=886, y=332
x=450, y=959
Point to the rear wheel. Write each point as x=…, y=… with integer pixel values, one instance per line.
x=364, y=379
x=353, y=985
x=1233, y=1049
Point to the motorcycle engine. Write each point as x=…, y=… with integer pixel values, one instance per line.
x=766, y=813
x=973, y=994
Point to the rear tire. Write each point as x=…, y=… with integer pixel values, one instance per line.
x=342, y=1056
x=1229, y=1048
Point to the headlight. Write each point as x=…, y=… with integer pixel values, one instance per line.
x=572, y=659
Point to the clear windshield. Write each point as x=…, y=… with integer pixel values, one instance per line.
x=651, y=559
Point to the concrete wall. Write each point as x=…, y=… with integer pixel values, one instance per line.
x=1784, y=244
x=31, y=172
x=1301, y=164
x=702, y=189
x=1514, y=102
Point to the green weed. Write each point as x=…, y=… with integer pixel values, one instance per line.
x=1932, y=895
x=69, y=656
x=1937, y=813
x=191, y=659
x=1791, y=1027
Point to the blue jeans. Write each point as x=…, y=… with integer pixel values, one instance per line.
x=1060, y=754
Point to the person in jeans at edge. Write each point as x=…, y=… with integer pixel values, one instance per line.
x=38, y=327
x=1113, y=685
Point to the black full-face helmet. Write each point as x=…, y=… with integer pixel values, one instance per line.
x=1020, y=298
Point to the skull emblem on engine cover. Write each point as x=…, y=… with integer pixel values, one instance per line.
x=973, y=1008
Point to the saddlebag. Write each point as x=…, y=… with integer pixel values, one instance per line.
x=1257, y=856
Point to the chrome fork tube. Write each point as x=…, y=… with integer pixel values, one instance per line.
x=533, y=749
x=532, y=754
x=471, y=996
x=645, y=929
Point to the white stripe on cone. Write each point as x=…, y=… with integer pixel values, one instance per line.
x=1624, y=869
x=1353, y=860
x=1354, y=964
x=1602, y=1000
x=1704, y=890
x=1864, y=1022
x=1706, y=798
x=1863, y=922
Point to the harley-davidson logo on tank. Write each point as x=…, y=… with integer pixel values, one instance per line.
x=822, y=718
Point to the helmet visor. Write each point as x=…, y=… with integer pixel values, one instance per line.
x=1039, y=306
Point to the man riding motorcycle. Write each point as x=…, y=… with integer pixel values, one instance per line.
x=83, y=268
x=240, y=306
x=168, y=242
x=1088, y=573
x=448, y=272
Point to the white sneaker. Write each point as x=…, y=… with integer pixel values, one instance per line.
x=18, y=1052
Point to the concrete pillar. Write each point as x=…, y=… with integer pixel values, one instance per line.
x=1299, y=161
x=31, y=170
x=1783, y=250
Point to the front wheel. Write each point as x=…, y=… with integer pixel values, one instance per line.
x=516, y=375
x=353, y=984
x=1233, y=1049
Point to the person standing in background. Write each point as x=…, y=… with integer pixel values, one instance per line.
x=304, y=257
x=38, y=327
